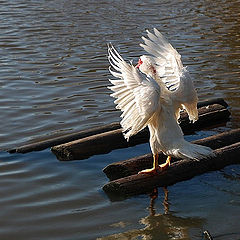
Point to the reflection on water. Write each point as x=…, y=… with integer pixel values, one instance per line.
x=165, y=224
x=53, y=78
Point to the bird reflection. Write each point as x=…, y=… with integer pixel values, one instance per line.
x=164, y=226
x=153, y=197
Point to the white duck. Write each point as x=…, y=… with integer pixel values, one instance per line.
x=155, y=98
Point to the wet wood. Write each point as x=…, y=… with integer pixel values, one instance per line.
x=207, y=102
x=134, y=165
x=108, y=141
x=178, y=171
x=43, y=144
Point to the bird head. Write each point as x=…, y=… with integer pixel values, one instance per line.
x=146, y=65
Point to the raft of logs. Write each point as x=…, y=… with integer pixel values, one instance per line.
x=124, y=178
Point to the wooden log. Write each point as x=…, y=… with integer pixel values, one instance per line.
x=106, y=142
x=207, y=102
x=178, y=171
x=40, y=145
x=134, y=165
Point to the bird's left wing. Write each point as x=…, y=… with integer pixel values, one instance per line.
x=137, y=96
x=169, y=68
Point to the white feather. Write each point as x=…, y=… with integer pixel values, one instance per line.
x=134, y=92
x=156, y=98
x=171, y=72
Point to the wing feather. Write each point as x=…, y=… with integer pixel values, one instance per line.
x=170, y=70
x=165, y=56
x=136, y=95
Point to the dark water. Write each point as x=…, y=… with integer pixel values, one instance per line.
x=53, y=78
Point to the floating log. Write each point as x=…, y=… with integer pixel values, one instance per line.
x=41, y=145
x=107, y=141
x=134, y=165
x=178, y=171
x=207, y=102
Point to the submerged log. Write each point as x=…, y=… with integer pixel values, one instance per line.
x=43, y=144
x=134, y=165
x=106, y=142
x=178, y=171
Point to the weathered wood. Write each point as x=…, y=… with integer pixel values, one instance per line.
x=178, y=171
x=134, y=165
x=207, y=102
x=106, y=142
x=40, y=145
x=208, y=116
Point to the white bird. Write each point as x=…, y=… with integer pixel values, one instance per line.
x=154, y=96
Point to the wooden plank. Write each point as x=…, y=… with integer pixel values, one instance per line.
x=106, y=142
x=178, y=171
x=134, y=165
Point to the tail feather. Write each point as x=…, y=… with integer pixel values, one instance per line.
x=193, y=151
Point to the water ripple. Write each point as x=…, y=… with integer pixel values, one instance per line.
x=53, y=78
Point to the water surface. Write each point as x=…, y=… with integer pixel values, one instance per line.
x=53, y=78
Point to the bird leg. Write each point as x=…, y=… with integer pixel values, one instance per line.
x=156, y=167
x=165, y=165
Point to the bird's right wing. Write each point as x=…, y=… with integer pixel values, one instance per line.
x=137, y=96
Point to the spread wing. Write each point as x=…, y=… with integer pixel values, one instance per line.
x=170, y=70
x=137, y=96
